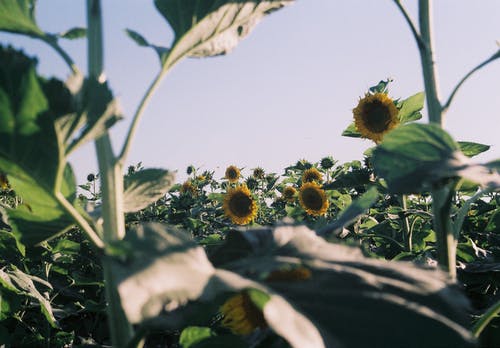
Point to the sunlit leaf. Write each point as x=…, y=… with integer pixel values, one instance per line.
x=145, y=187
x=192, y=335
x=410, y=109
x=30, y=150
x=205, y=28
x=74, y=33
x=17, y=16
x=471, y=149
x=351, y=131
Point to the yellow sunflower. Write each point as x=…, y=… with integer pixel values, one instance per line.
x=259, y=173
x=289, y=193
x=239, y=205
x=188, y=188
x=240, y=315
x=313, y=199
x=232, y=174
x=4, y=182
x=312, y=174
x=375, y=115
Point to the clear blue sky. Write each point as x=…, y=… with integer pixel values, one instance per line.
x=287, y=91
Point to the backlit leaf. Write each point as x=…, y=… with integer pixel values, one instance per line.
x=145, y=187
x=17, y=16
x=410, y=109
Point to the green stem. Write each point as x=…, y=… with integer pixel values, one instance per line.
x=406, y=224
x=441, y=199
x=138, y=114
x=111, y=186
x=485, y=319
x=52, y=42
x=469, y=74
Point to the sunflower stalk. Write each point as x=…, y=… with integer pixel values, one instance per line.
x=406, y=224
x=441, y=197
x=111, y=185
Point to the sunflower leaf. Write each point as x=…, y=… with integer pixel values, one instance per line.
x=140, y=40
x=410, y=108
x=205, y=28
x=351, y=131
x=145, y=187
x=74, y=33
x=31, y=152
x=17, y=16
x=471, y=149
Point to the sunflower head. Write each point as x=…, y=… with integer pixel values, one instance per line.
x=232, y=174
x=312, y=174
x=295, y=274
x=4, y=182
x=375, y=115
x=188, y=188
x=289, y=193
x=239, y=205
x=313, y=199
x=240, y=315
x=327, y=162
x=258, y=173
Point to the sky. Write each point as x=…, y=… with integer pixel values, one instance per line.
x=287, y=91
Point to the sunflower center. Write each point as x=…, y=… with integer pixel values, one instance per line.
x=312, y=199
x=377, y=117
x=240, y=204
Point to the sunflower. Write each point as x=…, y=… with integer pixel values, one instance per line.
x=294, y=274
x=239, y=205
x=289, y=193
x=4, y=182
x=188, y=188
x=240, y=315
x=232, y=174
x=375, y=115
x=259, y=173
x=313, y=199
x=312, y=174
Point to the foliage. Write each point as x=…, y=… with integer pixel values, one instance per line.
x=134, y=260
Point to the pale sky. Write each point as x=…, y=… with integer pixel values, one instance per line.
x=287, y=91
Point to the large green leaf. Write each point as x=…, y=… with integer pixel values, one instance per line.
x=205, y=28
x=17, y=16
x=160, y=269
x=145, y=187
x=30, y=149
x=354, y=299
x=415, y=157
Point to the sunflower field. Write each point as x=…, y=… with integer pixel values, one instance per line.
x=401, y=249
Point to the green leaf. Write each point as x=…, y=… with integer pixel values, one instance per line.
x=351, y=131
x=410, y=108
x=74, y=33
x=17, y=16
x=30, y=150
x=471, y=149
x=138, y=38
x=145, y=187
x=24, y=284
x=204, y=28
x=355, y=209
x=344, y=282
x=381, y=87
x=493, y=222
x=194, y=334
x=413, y=157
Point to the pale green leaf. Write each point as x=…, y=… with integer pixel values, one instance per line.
x=351, y=131
x=471, y=149
x=145, y=187
x=410, y=108
x=192, y=335
x=17, y=16
x=205, y=28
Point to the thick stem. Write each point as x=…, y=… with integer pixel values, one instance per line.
x=111, y=186
x=428, y=67
x=446, y=242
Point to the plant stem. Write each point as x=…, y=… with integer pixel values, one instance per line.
x=441, y=198
x=406, y=224
x=111, y=186
x=481, y=324
x=52, y=42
